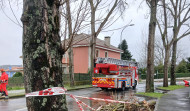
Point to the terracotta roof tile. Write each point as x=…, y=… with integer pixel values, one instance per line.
x=84, y=40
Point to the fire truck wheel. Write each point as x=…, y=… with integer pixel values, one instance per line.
x=123, y=86
x=134, y=87
x=103, y=88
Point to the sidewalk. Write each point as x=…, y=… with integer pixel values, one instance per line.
x=16, y=93
x=176, y=100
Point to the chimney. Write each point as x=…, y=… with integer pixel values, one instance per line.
x=107, y=40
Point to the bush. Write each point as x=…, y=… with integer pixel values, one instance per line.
x=17, y=74
x=159, y=68
x=16, y=81
x=182, y=67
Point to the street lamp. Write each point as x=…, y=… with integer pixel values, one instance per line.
x=121, y=36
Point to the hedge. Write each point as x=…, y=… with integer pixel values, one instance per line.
x=16, y=81
x=85, y=79
x=161, y=75
x=80, y=79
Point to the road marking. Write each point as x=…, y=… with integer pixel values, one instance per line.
x=22, y=109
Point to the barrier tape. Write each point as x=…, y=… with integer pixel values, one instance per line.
x=77, y=101
x=48, y=92
x=61, y=90
x=106, y=100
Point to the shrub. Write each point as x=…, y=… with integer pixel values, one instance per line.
x=17, y=74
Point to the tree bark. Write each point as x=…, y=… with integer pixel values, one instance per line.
x=166, y=64
x=151, y=41
x=72, y=83
x=173, y=64
x=42, y=53
x=95, y=33
x=71, y=72
x=93, y=38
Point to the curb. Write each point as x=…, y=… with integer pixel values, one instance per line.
x=156, y=106
x=162, y=89
x=145, y=96
x=23, y=95
x=17, y=96
x=79, y=88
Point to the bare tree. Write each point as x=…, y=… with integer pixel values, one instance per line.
x=151, y=40
x=73, y=22
x=103, y=21
x=163, y=24
x=7, y=4
x=71, y=48
x=42, y=53
x=178, y=13
x=159, y=51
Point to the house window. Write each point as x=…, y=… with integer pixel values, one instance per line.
x=64, y=70
x=106, y=54
x=97, y=53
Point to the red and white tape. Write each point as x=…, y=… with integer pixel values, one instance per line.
x=62, y=90
x=106, y=100
x=48, y=92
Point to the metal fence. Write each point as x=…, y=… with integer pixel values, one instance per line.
x=80, y=76
x=80, y=79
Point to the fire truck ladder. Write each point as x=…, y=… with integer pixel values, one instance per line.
x=116, y=61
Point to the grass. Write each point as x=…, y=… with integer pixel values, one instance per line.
x=172, y=87
x=155, y=95
x=158, y=95
x=77, y=87
x=14, y=88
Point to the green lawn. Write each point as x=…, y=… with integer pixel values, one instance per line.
x=172, y=87
x=155, y=95
x=14, y=88
x=158, y=95
x=77, y=87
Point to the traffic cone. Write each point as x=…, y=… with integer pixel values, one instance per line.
x=186, y=83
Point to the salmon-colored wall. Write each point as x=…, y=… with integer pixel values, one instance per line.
x=111, y=54
x=80, y=55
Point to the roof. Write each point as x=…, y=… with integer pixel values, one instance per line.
x=84, y=40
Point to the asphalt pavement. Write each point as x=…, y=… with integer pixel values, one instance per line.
x=174, y=101
x=177, y=100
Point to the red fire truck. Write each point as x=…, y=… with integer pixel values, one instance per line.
x=119, y=73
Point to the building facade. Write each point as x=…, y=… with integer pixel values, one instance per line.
x=81, y=53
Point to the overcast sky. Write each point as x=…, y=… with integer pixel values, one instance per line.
x=11, y=34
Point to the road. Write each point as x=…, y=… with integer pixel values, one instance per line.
x=20, y=105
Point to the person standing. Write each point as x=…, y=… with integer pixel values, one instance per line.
x=4, y=82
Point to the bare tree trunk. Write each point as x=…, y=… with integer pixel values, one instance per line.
x=42, y=53
x=93, y=38
x=92, y=55
x=72, y=83
x=95, y=33
x=166, y=64
x=71, y=72
x=151, y=41
x=173, y=64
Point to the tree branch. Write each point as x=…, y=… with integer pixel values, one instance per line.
x=107, y=17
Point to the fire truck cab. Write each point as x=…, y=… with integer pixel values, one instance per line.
x=119, y=73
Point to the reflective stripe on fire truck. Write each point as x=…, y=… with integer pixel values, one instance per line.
x=109, y=81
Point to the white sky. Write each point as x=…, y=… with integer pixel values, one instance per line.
x=11, y=35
